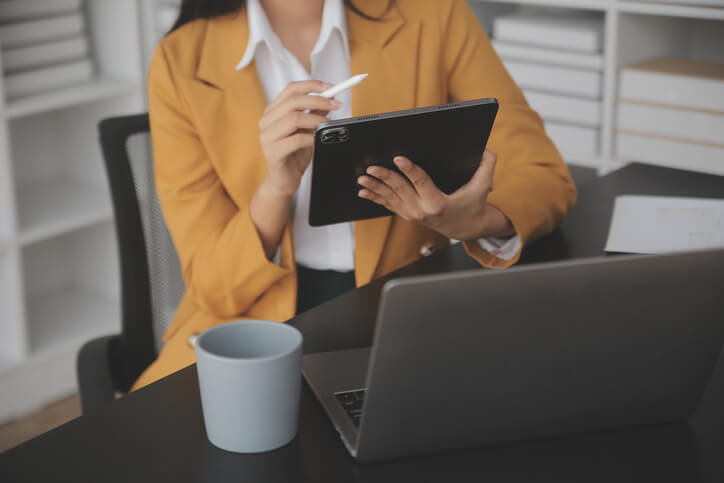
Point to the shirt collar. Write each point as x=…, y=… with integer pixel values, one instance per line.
x=334, y=18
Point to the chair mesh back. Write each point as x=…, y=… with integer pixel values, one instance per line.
x=166, y=283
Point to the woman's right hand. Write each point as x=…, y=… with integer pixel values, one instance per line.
x=287, y=139
x=287, y=134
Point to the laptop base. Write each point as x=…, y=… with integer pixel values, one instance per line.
x=349, y=374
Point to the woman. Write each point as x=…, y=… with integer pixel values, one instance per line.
x=232, y=147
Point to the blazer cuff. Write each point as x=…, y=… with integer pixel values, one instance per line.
x=517, y=211
x=503, y=248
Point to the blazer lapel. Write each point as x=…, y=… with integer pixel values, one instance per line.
x=227, y=105
x=386, y=49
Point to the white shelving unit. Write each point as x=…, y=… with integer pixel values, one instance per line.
x=88, y=92
x=634, y=31
x=59, y=282
x=71, y=287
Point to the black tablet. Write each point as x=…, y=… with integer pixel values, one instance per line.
x=447, y=141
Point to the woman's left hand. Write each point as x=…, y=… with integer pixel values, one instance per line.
x=462, y=215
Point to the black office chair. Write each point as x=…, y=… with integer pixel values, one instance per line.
x=151, y=283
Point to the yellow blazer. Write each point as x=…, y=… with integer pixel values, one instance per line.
x=204, y=123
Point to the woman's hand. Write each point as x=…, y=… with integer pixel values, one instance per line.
x=287, y=134
x=287, y=139
x=463, y=215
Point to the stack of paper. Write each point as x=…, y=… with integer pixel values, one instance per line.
x=44, y=45
x=654, y=224
x=699, y=3
x=671, y=111
x=558, y=62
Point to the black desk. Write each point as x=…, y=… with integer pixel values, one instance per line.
x=157, y=433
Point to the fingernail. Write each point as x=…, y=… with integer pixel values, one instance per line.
x=401, y=162
x=336, y=103
x=371, y=170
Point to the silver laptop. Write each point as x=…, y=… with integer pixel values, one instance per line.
x=483, y=357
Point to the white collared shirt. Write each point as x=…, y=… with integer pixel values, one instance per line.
x=329, y=247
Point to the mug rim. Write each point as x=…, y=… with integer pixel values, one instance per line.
x=251, y=360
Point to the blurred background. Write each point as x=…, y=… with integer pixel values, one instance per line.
x=615, y=81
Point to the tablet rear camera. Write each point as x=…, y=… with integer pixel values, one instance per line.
x=335, y=135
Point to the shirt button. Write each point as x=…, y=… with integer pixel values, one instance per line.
x=427, y=250
x=192, y=339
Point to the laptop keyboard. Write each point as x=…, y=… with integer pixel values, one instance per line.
x=352, y=402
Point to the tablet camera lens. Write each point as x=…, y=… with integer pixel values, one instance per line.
x=335, y=135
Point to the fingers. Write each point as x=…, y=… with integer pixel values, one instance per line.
x=397, y=194
x=370, y=195
x=286, y=132
x=295, y=89
x=398, y=184
x=320, y=113
x=290, y=124
x=378, y=190
x=290, y=145
x=418, y=177
x=420, y=201
x=301, y=103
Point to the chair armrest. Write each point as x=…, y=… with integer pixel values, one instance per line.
x=96, y=385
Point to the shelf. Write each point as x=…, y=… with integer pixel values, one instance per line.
x=600, y=5
x=601, y=164
x=95, y=90
x=51, y=208
x=649, y=8
x=671, y=10
x=67, y=318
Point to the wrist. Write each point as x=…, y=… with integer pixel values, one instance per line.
x=269, y=211
x=274, y=192
x=494, y=223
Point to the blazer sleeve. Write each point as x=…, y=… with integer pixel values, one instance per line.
x=222, y=258
x=532, y=185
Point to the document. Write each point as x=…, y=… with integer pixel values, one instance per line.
x=654, y=224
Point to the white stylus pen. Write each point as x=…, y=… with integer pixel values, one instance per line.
x=342, y=86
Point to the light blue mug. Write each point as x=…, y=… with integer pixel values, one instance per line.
x=250, y=376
